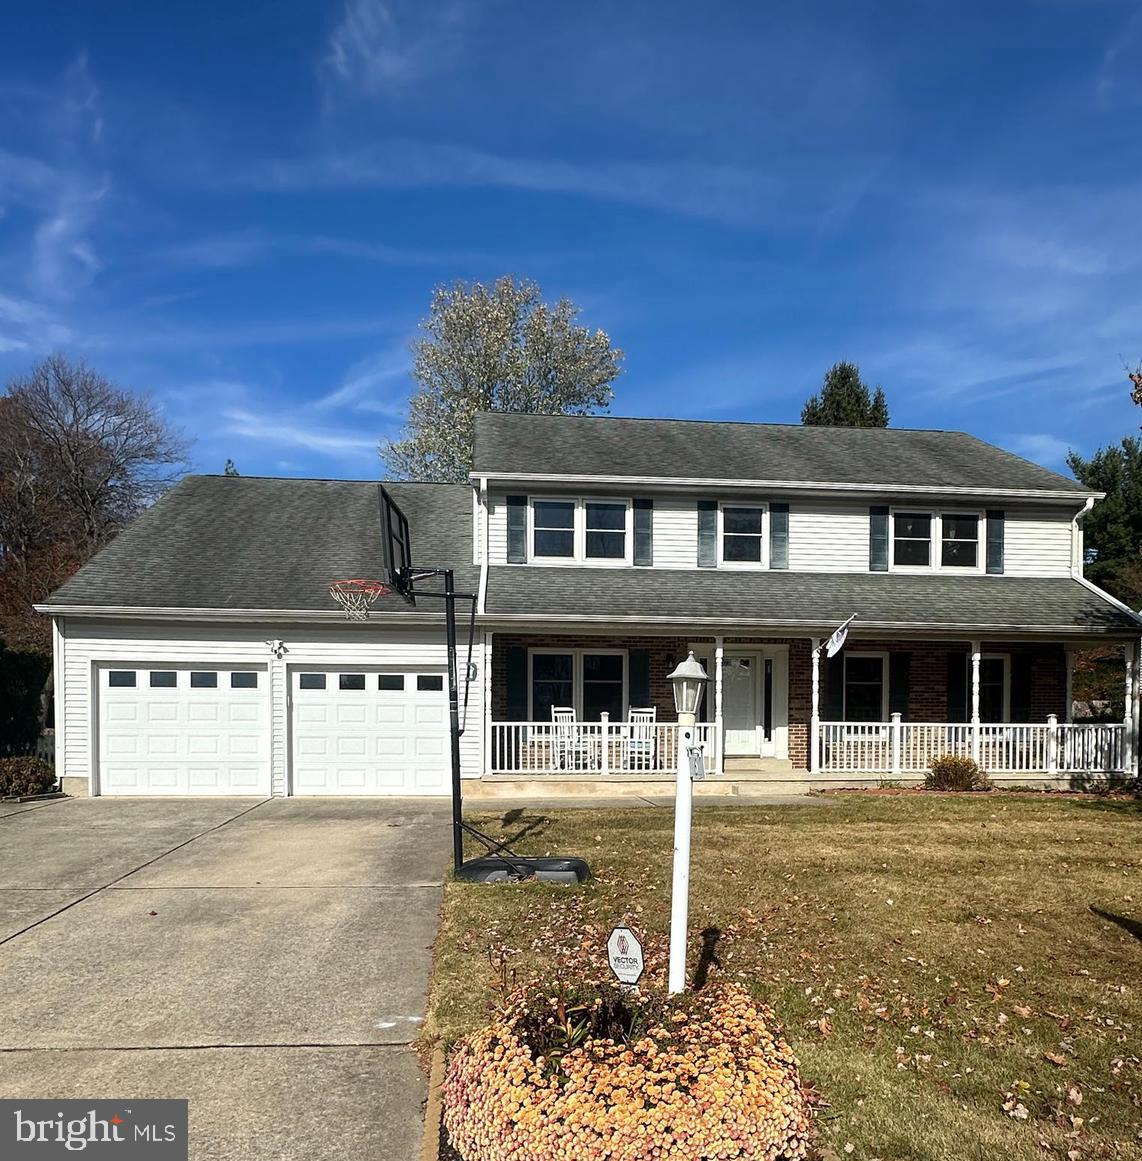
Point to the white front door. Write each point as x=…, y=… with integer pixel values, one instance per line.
x=740, y=703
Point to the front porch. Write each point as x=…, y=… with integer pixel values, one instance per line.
x=778, y=714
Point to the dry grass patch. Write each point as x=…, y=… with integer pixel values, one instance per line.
x=959, y=976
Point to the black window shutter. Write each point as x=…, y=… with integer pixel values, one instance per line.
x=878, y=538
x=1021, y=671
x=834, y=682
x=778, y=535
x=958, y=687
x=517, y=530
x=515, y=657
x=995, y=541
x=638, y=677
x=643, y=534
x=899, y=683
x=707, y=534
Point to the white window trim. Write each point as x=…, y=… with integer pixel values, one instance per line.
x=1006, y=659
x=579, y=532
x=576, y=676
x=936, y=541
x=883, y=658
x=746, y=565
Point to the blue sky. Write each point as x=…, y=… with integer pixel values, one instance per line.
x=243, y=208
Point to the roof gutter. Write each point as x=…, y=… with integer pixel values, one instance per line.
x=320, y=616
x=873, y=489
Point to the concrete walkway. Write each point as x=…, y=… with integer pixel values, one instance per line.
x=267, y=960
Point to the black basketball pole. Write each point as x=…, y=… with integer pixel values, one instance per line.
x=454, y=719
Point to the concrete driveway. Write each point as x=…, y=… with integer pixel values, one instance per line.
x=268, y=960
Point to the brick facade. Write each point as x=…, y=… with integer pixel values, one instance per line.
x=928, y=684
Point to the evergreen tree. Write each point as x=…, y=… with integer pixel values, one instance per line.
x=230, y=469
x=845, y=401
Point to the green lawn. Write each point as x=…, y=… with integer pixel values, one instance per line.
x=932, y=959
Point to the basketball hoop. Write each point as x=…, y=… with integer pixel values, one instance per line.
x=356, y=595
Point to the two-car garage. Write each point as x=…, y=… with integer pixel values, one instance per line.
x=192, y=729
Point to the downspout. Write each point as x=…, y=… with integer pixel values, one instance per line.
x=482, y=592
x=1077, y=561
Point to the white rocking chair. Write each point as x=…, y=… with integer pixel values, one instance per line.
x=571, y=747
x=640, y=738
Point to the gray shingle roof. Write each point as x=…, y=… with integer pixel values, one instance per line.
x=762, y=452
x=217, y=542
x=823, y=600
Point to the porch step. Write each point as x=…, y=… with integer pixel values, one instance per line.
x=501, y=786
x=762, y=769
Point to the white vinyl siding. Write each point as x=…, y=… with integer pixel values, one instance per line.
x=675, y=532
x=497, y=528
x=139, y=644
x=827, y=537
x=832, y=535
x=1037, y=542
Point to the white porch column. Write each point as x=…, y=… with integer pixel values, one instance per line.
x=487, y=679
x=815, y=713
x=976, y=650
x=1138, y=709
x=1130, y=715
x=719, y=738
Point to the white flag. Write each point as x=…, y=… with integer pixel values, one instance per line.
x=837, y=641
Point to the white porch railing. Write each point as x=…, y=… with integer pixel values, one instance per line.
x=534, y=748
x=898, y=747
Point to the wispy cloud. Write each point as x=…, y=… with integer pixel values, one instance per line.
x=1041, y=447
x=737, y=195
x=1117, y=69
x=377, y=383
x=267, y=428
x=380, y=47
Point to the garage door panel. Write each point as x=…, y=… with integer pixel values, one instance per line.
x=183, y=736
x=370, y=740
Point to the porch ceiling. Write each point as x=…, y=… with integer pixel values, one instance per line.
x=814, y=601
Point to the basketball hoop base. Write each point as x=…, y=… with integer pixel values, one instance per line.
x=566, y=872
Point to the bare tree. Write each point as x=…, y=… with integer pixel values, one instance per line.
x=83, y=456
x=79, y=458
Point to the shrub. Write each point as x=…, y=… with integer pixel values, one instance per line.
x=22, y=677
x=20, y=776
x=595, y=1073
x=953, y=773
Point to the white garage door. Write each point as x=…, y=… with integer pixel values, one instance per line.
x=366, y=731
x=183, y=731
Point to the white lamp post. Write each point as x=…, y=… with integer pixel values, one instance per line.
x=689, y=680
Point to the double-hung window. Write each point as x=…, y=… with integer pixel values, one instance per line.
x=592, y=682
x=935, y=540
x=994, y=687
x=743, y=540
x=866, y=687
x=959, y=544
x=606, y=530
x=554, y=528
x=581, y=530
x=912, y=539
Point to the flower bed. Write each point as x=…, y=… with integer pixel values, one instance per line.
x=593, y=1072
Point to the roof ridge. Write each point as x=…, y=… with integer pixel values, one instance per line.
x=530, y=415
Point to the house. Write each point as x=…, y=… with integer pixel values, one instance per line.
x=200, y=652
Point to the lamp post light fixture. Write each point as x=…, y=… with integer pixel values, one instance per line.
x=689, y=680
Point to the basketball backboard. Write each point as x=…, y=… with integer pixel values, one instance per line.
x=395, y=546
